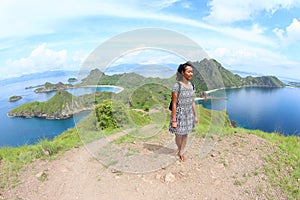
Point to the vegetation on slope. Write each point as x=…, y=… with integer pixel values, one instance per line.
x=281, y=166
x=61, y=105
x=14, y=98
x=49, y=87
x=53, y=108
x=209, y=74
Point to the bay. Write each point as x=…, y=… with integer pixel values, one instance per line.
x=17, y=131
x=267, y=109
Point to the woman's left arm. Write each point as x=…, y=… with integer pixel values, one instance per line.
x=195, y=112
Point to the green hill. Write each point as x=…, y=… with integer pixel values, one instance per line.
x=126, y=80
x=148, y=95
x=92, y=78
x=143, y=92
x=210, y=74
x=139, y=92
x=49, y=87
x=61, y=105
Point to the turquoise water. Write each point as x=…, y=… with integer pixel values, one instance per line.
x=267, y=109
x=16, y=131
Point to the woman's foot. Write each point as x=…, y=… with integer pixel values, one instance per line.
x=182, y=157
x=176, y=153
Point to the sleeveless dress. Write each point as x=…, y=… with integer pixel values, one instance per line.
x=184, y=110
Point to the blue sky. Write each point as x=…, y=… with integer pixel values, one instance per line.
x=262, y=36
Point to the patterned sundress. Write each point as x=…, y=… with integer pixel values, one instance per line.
x=184, y=110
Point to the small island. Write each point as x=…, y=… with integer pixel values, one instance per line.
x=49, y=87
x=70, y=80
x=14, y=98
x=294, y=84
x=33, y=86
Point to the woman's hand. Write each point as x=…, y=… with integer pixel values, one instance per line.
x=174, y=124
x=196, y=120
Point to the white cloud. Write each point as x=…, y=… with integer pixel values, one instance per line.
x=80, y=56
x=157, y=4
x=34, y=17
x=38, y=17
x=246, y=56
x=187, y=5
x=293, y=32
x=256, y=60
x=253, y=34
x=290, y=36
x=234, y=56
x=25, y=20
x=279, y=33
x=226, y=12
x=40, y=59
x=147, y=56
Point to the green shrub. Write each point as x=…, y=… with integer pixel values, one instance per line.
x=111, y=115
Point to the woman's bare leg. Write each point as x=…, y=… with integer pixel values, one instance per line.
x=178, y=142
x=182, y=147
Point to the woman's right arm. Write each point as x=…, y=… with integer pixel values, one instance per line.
x=174, y=104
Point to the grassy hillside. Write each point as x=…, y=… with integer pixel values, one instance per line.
x=281, y=167
x=61, y=105
x=48, y=87
x=52, y=108
x=148, y=95
x=210, y=74
x=139, y=92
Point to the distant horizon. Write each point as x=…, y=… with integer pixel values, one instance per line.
x=74, y=73
x=109, y=73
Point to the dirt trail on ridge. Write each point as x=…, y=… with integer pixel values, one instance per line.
x=232, y=170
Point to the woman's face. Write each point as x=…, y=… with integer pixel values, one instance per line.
x=188, y=73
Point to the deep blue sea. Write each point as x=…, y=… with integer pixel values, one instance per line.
x=16, y=131
x=266, y=109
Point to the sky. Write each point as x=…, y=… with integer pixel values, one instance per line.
x=257, y=36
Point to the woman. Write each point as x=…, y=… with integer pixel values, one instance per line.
x=184, y=115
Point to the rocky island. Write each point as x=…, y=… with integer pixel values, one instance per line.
x=72, y=80
x=61, y=106
x=14, y=98
x=49, y=87
x=294, y=84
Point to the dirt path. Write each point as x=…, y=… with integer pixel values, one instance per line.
x=232, y=170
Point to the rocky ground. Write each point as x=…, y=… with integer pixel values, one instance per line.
x=233, y=169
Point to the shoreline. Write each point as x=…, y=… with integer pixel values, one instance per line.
x=43, y=116
x=80, y=86
x=111, y=86
x=214, y=90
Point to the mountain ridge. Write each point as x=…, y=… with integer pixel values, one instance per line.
x=223, y=78
x=208, y=74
